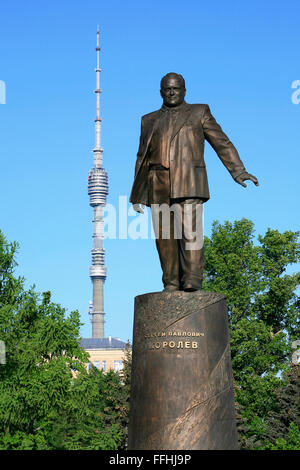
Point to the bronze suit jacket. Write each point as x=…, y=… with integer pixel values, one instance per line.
x=188, y=178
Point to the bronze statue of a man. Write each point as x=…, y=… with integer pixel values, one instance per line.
x=170, y=169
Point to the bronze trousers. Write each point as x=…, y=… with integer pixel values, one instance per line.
x=178, y=228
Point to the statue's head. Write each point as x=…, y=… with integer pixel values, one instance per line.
x=172, y=89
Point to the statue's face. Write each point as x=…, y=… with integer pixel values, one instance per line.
x=172, y=92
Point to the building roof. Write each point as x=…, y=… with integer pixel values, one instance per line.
x=102, y=343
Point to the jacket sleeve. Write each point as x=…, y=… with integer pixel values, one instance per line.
x=219, y=141
x=140, y=150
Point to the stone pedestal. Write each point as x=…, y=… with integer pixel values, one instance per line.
x=181, y=395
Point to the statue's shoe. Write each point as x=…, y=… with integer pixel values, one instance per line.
x=170, y=288
x=190, y=288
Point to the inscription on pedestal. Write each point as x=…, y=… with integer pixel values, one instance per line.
x=187, y=343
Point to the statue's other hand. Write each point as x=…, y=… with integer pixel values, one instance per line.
x=246, y=176
x=138, y=208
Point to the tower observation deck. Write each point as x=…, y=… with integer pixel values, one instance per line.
x=98, y=190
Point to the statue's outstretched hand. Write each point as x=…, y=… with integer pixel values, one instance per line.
x=138, y=208
x=246, y=176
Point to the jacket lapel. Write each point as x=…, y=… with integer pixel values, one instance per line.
x=181, y=119
x=148, y=134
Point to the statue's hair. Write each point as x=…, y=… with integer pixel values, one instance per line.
x=173, y=75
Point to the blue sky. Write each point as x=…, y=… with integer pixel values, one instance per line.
x=239, y=57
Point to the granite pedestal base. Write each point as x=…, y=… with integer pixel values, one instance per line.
x=181, y=388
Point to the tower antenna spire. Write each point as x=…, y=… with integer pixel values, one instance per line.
x=98, y=191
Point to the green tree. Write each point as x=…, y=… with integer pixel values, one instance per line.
x=126, y=380
x=47, y=398
x=292, y=441
x=283, y=422
x=97, y=424
x=263, y=313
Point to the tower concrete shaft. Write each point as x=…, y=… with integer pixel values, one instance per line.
x=98, y=191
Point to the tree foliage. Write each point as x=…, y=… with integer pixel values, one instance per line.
x=47, y=398
x=283, y=422
x=263, y=313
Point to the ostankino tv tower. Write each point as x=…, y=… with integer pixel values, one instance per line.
x=98, y=190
